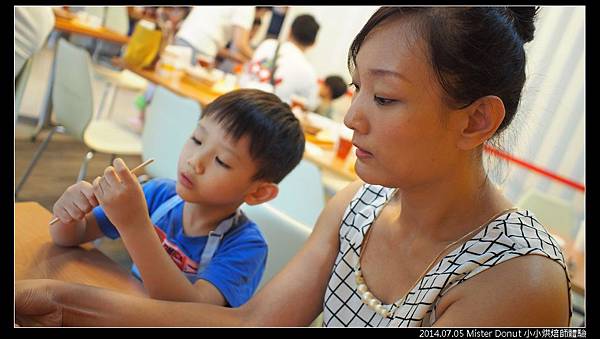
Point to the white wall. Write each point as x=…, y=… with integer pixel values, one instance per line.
x=338, y=26
x=550, y=123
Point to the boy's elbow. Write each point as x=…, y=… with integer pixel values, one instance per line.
x=64, y=239
x=64, y=242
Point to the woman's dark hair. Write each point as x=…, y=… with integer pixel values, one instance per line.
x=276, y=138
x=337, y=85
x=474, y=52
x=305, y=29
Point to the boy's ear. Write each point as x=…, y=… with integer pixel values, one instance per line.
x=480, y=121
x=262, y=192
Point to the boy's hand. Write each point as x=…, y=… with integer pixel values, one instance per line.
x=75, y=203
x=121, y=196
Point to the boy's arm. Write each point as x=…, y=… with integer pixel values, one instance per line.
x=162, y=278
x=76, y=233
x=76, y=224
x=123, y=201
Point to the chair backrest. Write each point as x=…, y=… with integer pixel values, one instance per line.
x=72, y=88
x=169, y=122
x=117, y=19
x=554, y=213
x=284, y=235
x=301, y=194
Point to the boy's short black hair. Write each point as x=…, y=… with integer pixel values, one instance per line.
x=276, y=138
x=305, y=29
x=337, y=85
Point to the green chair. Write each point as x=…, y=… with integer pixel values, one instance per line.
x=554, y=213
x=169, y=122
x=301, y=194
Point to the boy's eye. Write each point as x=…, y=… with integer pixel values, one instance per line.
x=196, y=141
x=383, y=101
x=220, y=162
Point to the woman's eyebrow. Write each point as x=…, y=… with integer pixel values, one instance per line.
x=388, y=73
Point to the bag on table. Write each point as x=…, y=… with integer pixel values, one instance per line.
x=144, y=46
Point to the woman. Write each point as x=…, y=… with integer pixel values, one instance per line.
x=426, y=239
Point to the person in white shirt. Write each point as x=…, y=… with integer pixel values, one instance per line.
x=293, y=74
x=207, y=29
x=32, y=27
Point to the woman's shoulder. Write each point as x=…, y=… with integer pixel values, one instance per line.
x=520, y=230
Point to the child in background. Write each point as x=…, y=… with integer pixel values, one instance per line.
x=332, y=88
x=206, y=250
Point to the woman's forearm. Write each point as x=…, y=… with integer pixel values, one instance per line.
x=91, y=306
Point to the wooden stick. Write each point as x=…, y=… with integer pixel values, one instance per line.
x=135, y=169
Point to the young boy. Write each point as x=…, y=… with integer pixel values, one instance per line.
x=332, y=88
x=245, y=143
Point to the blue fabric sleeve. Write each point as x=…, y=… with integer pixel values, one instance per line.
x=156, y=191
x=238, y=266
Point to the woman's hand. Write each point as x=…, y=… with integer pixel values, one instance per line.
x=121, y=196
x=35, y=303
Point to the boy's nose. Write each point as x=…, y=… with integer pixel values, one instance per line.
x=197, y=165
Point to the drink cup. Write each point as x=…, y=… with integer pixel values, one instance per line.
x=344, y=143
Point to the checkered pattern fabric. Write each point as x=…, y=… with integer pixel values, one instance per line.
x=510, y=235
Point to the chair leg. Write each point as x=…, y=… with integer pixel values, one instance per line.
x=103, y=100
x=113, y=98
x=35, y=159
x=83, y=170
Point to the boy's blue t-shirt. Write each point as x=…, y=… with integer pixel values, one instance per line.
x=238, y=263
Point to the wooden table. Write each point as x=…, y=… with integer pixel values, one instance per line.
x=75, y=27
x=326, y=160
x=37, y=257
x=177, y=82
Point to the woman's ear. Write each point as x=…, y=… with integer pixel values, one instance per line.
x=262, y=192
x=483, y=117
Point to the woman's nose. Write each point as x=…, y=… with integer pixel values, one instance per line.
x=354, y=119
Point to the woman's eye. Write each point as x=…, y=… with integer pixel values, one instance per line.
x=356, y=87
x=196, y=141
x=383, y=101
x=220, y=162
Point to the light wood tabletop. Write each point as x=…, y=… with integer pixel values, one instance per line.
x=179, y=83
x=36, y=256
x=75, y=27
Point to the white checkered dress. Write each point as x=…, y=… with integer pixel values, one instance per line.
x=510, y=235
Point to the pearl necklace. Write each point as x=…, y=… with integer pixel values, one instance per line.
x=375, y=304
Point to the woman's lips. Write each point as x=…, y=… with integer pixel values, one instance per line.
x=185, y=181
x=362, y=154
